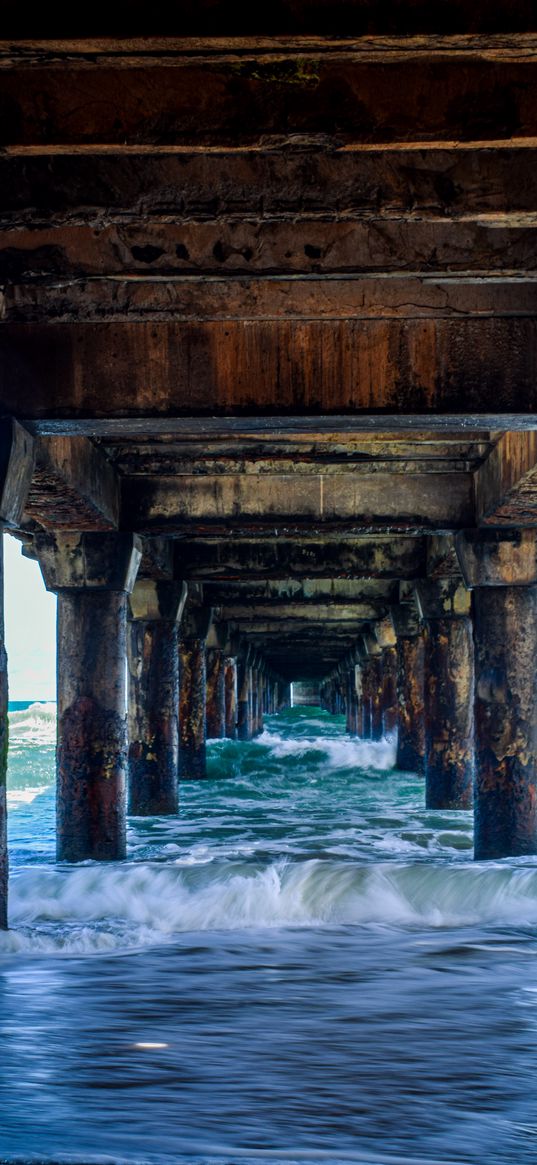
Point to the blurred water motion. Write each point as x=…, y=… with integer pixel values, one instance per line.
x=306, y=965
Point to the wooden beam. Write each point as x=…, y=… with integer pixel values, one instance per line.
x=424, y=366
x=420, y=502
x=232, y=98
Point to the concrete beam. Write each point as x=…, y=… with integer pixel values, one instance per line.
x=193, y=298
x=420, y=502
x=74, y=486
x=257, y=593
x=506, y=484
x=133, y=184
x=269, y=246
x=332, y=612
x=310, y=558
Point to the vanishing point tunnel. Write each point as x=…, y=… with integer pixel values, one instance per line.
x=268, y=391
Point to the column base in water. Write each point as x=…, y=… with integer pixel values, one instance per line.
x=92, y=574
x=216, y=694
x=156, y=608
x=448, y=682
x=410, y=756
x=230, y=691
x=501, y=566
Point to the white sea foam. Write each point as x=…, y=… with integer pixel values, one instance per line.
x=95, y=908
x=340, y=752
x=33, y=725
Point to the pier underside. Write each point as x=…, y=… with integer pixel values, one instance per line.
x=268, y=359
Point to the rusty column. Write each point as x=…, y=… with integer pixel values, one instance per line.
x=244, y=700
x=16, y=467
x=216, y=694
x=375, y=683
x=410, y=693
x=387, y=640
x=192, y=692
x=502, y=567
x=92, y=575
x=156, y=608
x=230, y=693
x=444, y=605
x=366, y=695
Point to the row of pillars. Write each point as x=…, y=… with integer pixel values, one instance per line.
x=142, y=682
x=454, y=670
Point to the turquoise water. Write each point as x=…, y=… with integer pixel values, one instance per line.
x=305, y=965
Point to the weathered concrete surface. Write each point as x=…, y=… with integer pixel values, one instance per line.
x=216, y=694
x=92, y=758
x=448, y=684
x=244, y=698
x=363, y=557
x=230, y=694
x=192, y=724
x=153, y=656
x=410, y=690
x=74, y=486
x=420, y=503
x=92, y=574
x=502, y=567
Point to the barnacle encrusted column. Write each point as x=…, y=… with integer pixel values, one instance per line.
x=92, y=574
x=16, y=466
x=501, y=567
x=193, y=633
x=155, y=611
x=444, y=606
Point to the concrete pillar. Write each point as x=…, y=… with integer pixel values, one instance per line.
x=444, y=606
x=387, y=641
x=230, y=695
x=155, y=611
x=410, y=694
x=366, y=697
x=216, y=694
x=92, y=575
x=244, y=700
x=501, y=566
x=375, y=684
x=193, y=633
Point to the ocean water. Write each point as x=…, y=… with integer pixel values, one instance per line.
x=304, y=966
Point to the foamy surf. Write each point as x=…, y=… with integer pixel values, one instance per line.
x=339, y=754
x=94, y=908
x=33, y=725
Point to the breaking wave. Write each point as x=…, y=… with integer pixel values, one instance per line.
x=33, y=725
x=94, y=908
